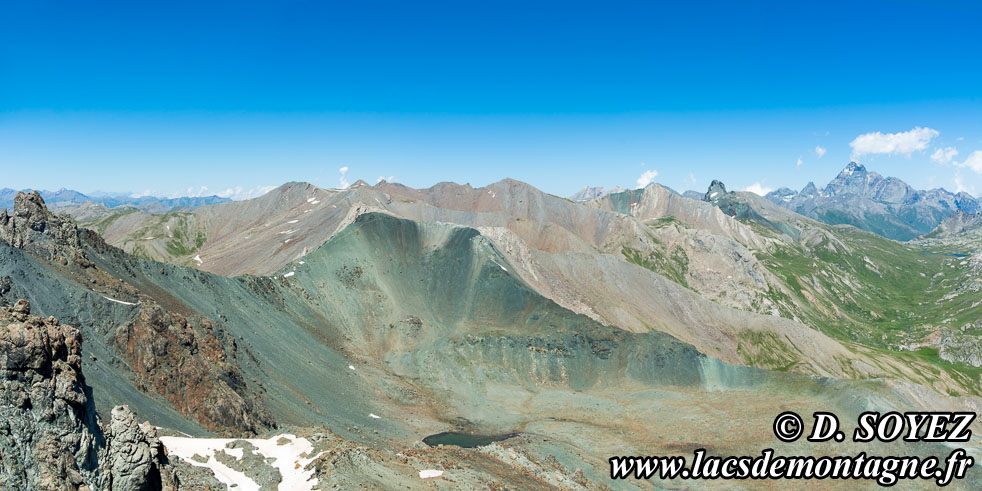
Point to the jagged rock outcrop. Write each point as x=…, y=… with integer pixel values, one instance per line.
x=50, y=435
x=48, y=432
x=135, y=459
x=42, y=233
x=716, y=190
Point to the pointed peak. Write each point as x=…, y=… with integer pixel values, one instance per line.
x=715, y=191
x=853, y=168
x=809, y=190
x=29, y=203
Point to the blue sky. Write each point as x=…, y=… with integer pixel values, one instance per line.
x=171, y=97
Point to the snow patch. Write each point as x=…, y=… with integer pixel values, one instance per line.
x=311, y=200
x=301, y=262
x=293, y=221
x=428, y=473
x=286, y=458
x=352, y=367
x=118, y=301
x=198, y=258
x=291, y=273
x=374, y=416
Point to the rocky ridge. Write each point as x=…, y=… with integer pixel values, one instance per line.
x=155, y=345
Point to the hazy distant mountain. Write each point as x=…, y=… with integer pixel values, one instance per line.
x=68, y=197
x=958, y=223
x=590, y=193
x=885, y=206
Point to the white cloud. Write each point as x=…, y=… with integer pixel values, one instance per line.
x=758, y=188
x=647, y=177
x=904, y=143
x=192, y=193
x=343, y=180
x=692, y=178
x=944, y=155
x=239, y=193
x=959, y=183
x=974, y=162
x=146, y=192
x=798, y=164
x=236, y=193
x=386, y=179
x=820, y=151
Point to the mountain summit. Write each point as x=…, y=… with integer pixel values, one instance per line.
x=883, y=205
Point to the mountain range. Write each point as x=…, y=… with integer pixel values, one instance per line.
x=885, y=206
x=64, y=198
x=346, y=328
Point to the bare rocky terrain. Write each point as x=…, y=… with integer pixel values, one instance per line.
x=315, y=337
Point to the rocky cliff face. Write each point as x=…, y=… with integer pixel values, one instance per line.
x=184, y=361
x=48, y=433
x=50, y=437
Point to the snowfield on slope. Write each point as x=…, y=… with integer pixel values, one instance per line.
x=288, y=458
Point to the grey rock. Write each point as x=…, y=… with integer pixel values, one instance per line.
x=135, y=457
x=35, y=229
x=959, y=348
x=50, y=437
x=48, y=431
x=716, y=191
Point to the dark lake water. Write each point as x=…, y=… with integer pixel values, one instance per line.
x=948, y=255
x=466, y=440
